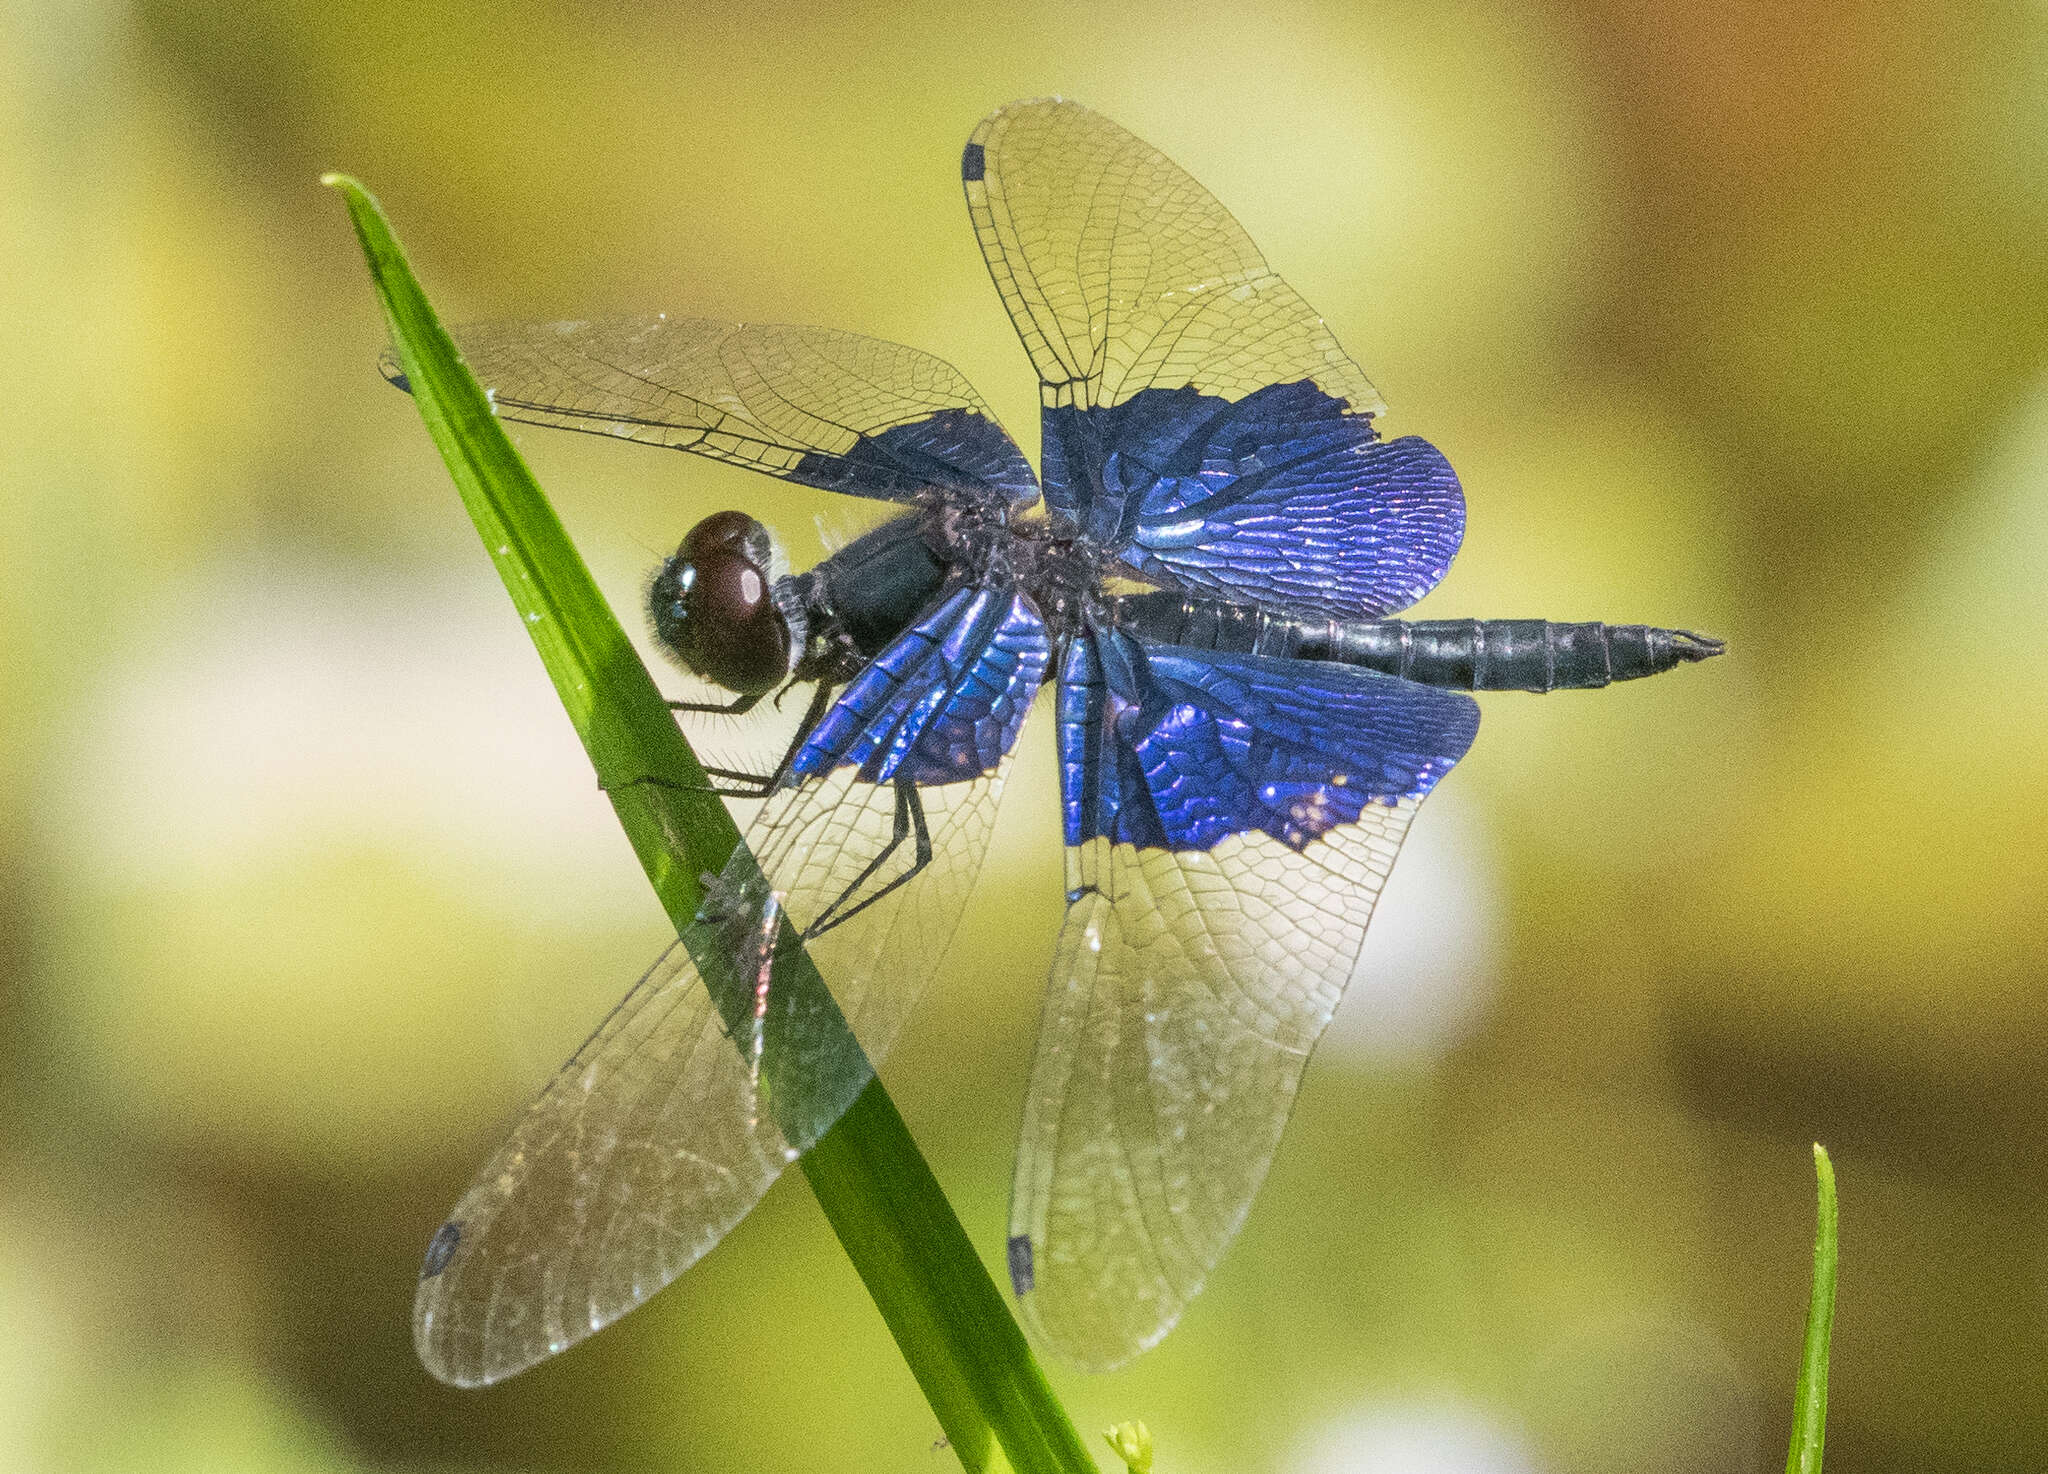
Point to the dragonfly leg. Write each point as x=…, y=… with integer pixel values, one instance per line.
x=751, y=785
x=909, y=822
x=756, y=786
x=738, y=706
x=760, y=787
x=821, y=698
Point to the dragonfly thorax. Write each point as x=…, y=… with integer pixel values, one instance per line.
x=1064, y=572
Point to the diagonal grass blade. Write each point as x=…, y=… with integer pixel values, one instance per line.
x=949, y=1320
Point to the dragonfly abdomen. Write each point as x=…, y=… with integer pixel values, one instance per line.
x=1463, y=654
x=1500, y=654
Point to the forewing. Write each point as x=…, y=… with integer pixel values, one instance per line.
x=824, y=408
x=1230, y=824
x=945, y=700
x=1199, y=417
x=662, y=1131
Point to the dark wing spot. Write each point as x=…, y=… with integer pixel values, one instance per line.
x=447, y=1239
x=973, y=162
x=1021, y=1278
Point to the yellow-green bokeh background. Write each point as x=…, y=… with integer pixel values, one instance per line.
x=1732, y=316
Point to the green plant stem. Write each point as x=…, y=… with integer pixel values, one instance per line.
x=1810, y=1401
x=947, y=1316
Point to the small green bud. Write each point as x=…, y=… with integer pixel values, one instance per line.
x=1133, y=1444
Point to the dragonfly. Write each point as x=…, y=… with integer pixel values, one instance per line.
x=1203, y=570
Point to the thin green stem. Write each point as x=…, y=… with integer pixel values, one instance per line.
x=947, y=1316
x=1810, y=1401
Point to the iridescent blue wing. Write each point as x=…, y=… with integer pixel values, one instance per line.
x=944, y=701
x=1230, y=821
x=1276, y=498
x=827, y=409
x=671, y=1121
x=1198, y=415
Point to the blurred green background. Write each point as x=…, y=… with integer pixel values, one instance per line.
x=1730, y=316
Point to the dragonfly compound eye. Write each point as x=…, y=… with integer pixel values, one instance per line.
x=714, y=609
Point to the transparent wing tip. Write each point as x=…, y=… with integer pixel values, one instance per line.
x=1105, y=1337
x=446, y=1354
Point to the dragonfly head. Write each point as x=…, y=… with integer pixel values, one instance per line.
x=714, y=609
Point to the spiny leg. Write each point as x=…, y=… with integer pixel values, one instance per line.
x=738, y=706
x=756, y=786
x=821, y=698
x=909, y=820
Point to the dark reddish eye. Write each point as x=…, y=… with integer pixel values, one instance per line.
x=713, y=606
x=732, y=533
